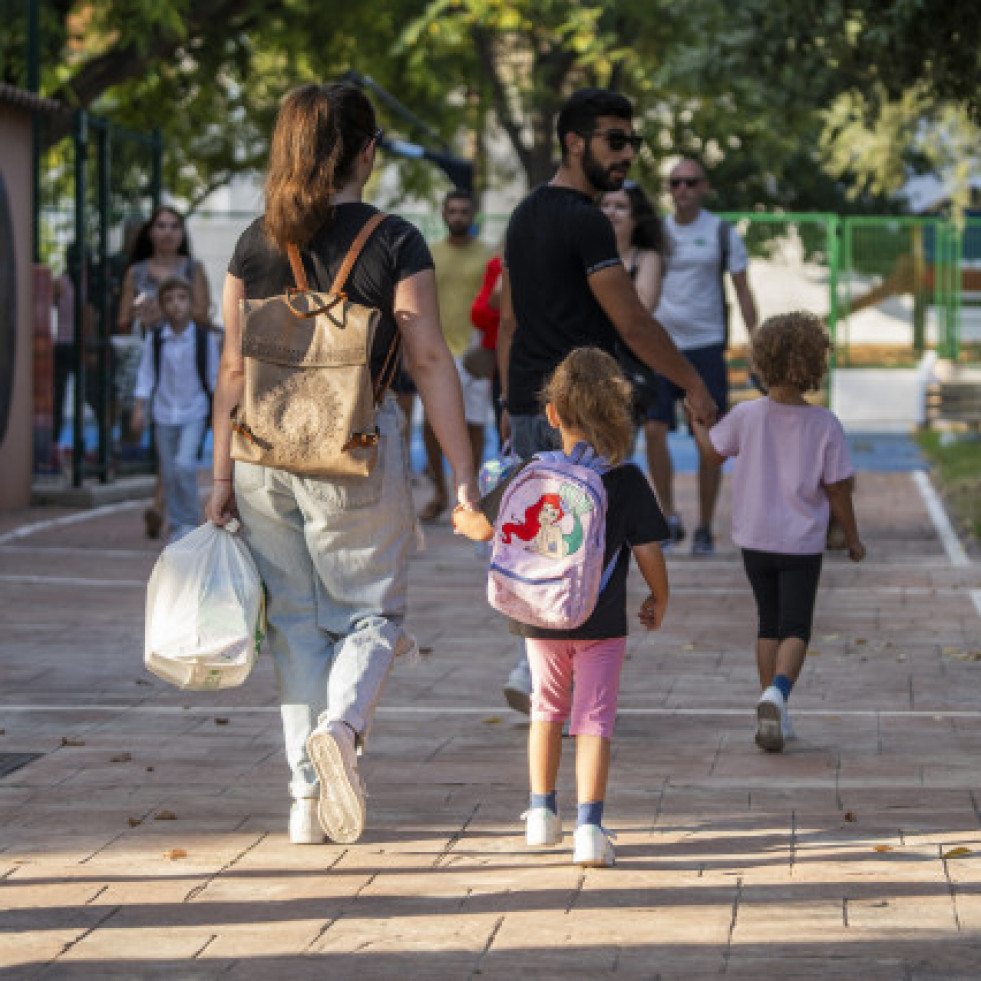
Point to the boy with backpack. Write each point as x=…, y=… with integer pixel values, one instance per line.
x=177, y=375
x=564, y=526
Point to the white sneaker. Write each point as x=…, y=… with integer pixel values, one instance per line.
x=543, y=828
x=304, y=824
x=517, y=691
x=593, y=848
x=341, y=807
x=770, y=710
x=786, y=726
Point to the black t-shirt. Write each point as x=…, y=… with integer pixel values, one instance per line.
x=633, y=517
x=556, y=239
x=395, y=251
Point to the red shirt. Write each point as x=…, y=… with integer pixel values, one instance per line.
x=485, y=317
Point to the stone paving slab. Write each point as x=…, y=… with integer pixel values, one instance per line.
x=148, y=838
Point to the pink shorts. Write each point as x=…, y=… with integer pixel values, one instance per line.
x=577, y=678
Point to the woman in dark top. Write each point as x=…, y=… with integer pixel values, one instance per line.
x=333, y=551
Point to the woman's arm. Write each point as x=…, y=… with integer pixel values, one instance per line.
x=228, y=394
x=648, y=278
x=124, y=322
x=201, y=300
x=431, y=365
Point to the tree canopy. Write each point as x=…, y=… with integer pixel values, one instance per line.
x=790, y=103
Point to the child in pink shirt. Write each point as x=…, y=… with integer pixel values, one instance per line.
x=791, y=468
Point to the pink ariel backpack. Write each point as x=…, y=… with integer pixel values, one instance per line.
x=546, y=565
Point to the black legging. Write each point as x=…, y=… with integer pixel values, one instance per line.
x=785, y=587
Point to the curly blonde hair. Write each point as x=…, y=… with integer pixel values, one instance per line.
x=592, y=397
x=792, y=349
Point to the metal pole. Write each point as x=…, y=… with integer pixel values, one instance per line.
x=156, y=169
x=831, y=237
x=80, y=285
x=34, y=85
x=105, y=423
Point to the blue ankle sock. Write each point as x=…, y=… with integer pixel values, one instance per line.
x=782, y=682
x=589, y=813
x=545, y=800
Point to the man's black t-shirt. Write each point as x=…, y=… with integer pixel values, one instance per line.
x=395, y=251
x=556, y=239
x=633, y=517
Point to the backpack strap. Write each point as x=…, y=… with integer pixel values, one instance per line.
x=201, y=357
x=352, y=253
x=608, y=569
x=157, y=336
x=336, y=291
x=724, y=229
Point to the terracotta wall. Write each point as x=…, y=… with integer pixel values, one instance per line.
x=16, y=449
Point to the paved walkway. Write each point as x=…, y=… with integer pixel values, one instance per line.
x=146, y=837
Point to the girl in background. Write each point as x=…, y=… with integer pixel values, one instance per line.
x=792, y=467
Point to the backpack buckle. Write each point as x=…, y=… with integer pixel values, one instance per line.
x=361, y=440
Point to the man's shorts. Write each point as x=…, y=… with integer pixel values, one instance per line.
x=710, y=363
x=477, y=397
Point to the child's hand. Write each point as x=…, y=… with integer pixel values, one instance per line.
x=856, y=551
x=136, y=420
x=652, y=612
x=473, y=524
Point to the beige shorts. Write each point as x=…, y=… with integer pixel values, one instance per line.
x=477, y=397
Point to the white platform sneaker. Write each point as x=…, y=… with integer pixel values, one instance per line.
x=543, y=828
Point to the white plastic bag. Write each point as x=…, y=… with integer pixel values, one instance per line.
x=205, y=611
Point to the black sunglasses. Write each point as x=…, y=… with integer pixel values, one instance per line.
x=617, y=139
x=687, y=181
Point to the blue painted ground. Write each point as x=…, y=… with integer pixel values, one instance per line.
x=871, y=452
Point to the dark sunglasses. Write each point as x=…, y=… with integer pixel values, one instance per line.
x=687, y=181
x=617, y=139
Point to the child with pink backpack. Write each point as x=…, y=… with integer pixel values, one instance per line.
x=563, y=529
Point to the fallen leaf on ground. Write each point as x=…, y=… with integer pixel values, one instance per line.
x=860, y=641
x=850, y=816
x=950, y=651
x=71, y=741
x=149, y=769
x=221, y=722
x=813, y=653
x=134, y=822
x=883, y=848
x=143, y=681
x=829, y=637
x=688, y=647
x=121, y=758
x=492, y=720
x=175, y=853
x=165, y=816
x=958, y=852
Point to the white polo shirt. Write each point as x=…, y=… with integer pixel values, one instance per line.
x=179, y=398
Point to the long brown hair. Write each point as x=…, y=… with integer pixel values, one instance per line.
x=591, y=396
x=319, y=132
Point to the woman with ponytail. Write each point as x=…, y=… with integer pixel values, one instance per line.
x=333, y=551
